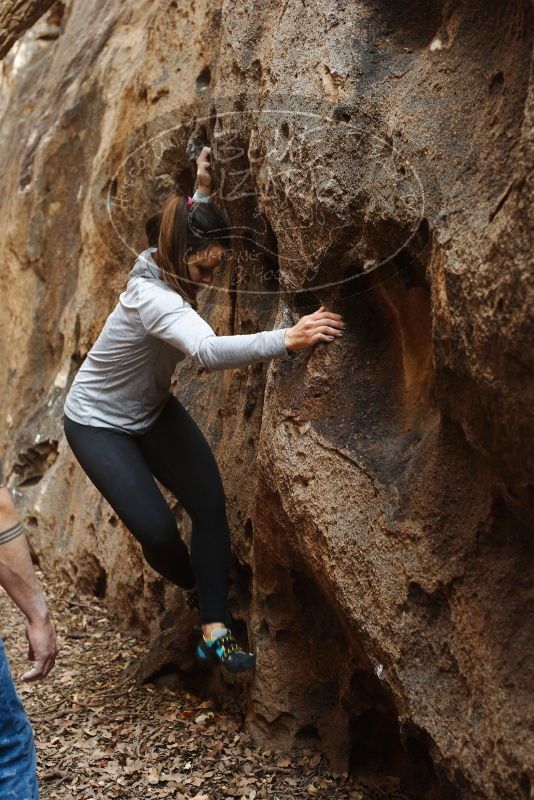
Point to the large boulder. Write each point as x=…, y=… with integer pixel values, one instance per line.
x=374, y=158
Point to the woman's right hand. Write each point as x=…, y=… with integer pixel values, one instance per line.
x=204, y=182
x=321, y=326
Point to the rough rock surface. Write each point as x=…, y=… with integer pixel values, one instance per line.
x=380, y=489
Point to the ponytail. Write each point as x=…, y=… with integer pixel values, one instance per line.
x=183, y=230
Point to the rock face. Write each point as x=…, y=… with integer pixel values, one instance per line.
x=374, y=158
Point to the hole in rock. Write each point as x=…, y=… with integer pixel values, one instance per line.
x=239, y=600
x=249, y=532
x=378, y=748
x=256, y=261
x=271, y=271
x=32, y=464
x=420, y=773
x=52, y=23
x=169, y=676
x=284, y=636
x=388, y=312
x=405, y=23
x=308, y=733
x=524, y=783
x=314, y=613
x=100, y=584
x=375, y=747
x=306, y=302
x=380, y=756
x=91, y=576
x=342, y=114
x=279, y=609
x=203, y=80
x=429, y=605
x=282, y=728
x=34, y=479
x=408, y=265
x=496, y=83
x=157, y=591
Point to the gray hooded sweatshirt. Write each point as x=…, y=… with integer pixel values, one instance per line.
x=125, y=379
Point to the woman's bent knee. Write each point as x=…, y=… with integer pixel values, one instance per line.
x=160, y=536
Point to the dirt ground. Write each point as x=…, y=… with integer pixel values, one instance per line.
x=100, y=735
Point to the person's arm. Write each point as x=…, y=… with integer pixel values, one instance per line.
x=228, y=352
x=18, y=578
x=204, y=182
x=202, y=197
x=167, y=316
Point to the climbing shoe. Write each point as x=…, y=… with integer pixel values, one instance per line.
x=224, y=649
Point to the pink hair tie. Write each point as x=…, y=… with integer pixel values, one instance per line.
x=189, y=201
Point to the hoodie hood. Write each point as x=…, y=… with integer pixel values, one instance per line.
x=145, y=266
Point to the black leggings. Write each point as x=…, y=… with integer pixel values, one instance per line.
x=174, y=450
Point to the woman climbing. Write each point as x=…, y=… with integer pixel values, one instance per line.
x=125, y=428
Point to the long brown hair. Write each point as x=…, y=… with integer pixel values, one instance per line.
x=184, y=229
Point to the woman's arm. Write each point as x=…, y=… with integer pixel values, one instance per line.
x=204, y=182
x=201, y=197
x=228, y=352
x=167, y=316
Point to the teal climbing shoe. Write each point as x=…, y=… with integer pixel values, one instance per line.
x=226, y=651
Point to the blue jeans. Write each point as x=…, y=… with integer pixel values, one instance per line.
x=18, y=779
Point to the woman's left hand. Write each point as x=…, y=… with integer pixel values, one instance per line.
x=204, y=171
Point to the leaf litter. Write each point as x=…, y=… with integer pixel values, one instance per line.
x=102, y=736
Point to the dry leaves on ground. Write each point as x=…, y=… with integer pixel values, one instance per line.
x=100, y=736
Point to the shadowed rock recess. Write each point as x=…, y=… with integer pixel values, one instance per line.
x=374, y=157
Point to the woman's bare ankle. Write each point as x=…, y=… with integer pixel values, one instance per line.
x=208, y=628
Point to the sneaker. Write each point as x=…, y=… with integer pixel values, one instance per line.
x=224, y=650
